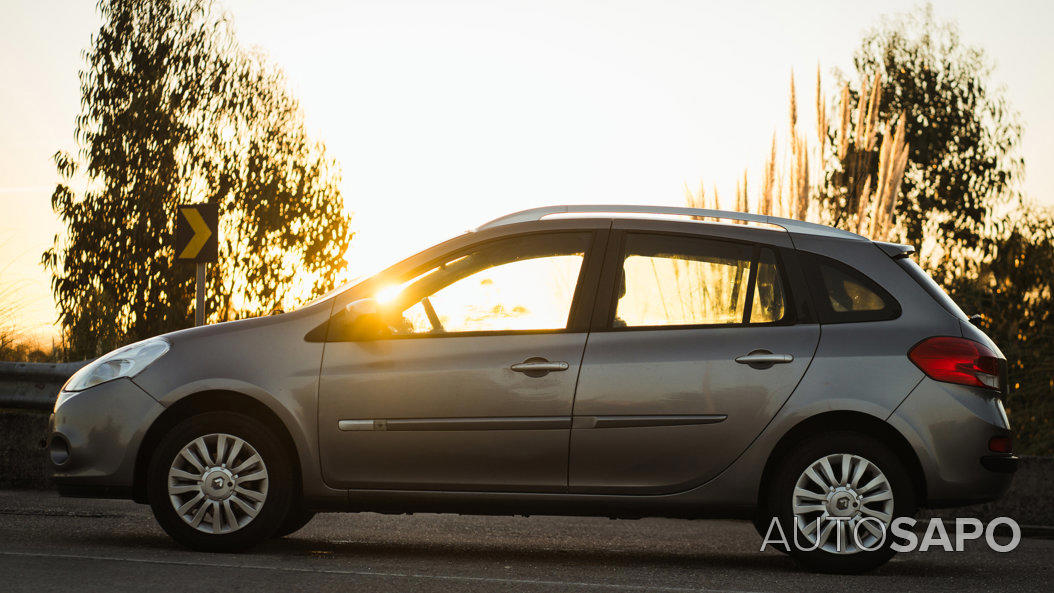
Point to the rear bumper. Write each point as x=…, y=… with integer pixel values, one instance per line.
x=949, y=427
x=94, y=437
x=1002, y=464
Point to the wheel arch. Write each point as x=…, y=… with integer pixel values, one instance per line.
x=842, y=421
x=209, y=401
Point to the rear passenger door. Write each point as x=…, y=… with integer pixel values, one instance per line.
x=697, y=343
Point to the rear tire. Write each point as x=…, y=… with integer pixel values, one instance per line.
x=823, y=492
x=220, y=482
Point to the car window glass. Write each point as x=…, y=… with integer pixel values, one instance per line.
x=846, y=293
x=669, y=281
x=518, y=284
x=768, y=302
x=843, y=294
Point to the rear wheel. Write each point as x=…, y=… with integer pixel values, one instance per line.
x=835, y=497
x=220, y=482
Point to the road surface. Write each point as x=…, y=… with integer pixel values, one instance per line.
x=49, y=543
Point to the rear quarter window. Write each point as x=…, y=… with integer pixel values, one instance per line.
x=843, y=294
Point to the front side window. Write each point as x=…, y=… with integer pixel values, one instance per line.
x=523, y=283
x=678, y=281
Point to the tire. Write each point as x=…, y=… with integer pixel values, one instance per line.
x=761, y=525
x=880, y=492
x=243, y=490
x=294, y=521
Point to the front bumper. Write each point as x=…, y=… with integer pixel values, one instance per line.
x=949, y=427
x=94, y=437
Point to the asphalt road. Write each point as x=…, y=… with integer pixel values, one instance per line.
x=49, y=543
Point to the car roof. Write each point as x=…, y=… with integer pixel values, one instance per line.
x=622, y=211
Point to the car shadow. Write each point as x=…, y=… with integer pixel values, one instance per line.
x=770, y=562
x=486, y=548
x=505, y=552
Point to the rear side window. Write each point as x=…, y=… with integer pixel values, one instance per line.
x=685, y=281
x=845, y=295
x=768, y=302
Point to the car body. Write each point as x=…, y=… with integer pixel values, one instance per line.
x=627, y=410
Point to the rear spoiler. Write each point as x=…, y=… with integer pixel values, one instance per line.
x=895, y=250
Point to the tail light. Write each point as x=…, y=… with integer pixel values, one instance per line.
x=1000, y=445
x=958, y=360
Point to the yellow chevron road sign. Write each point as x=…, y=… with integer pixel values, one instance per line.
x=196, y=229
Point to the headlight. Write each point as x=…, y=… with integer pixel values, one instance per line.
x=123, y=362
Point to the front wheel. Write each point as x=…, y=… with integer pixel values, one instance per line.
x=835, y=497
x=296, y=520
x=220, y=482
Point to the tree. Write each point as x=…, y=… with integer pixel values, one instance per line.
x=1013, y=291
x=294, y=222
x=923, y=148
x=173, y=111
x=963, y=137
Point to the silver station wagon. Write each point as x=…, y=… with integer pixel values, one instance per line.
x=616, y=361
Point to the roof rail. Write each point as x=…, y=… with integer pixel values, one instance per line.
x=787, y=224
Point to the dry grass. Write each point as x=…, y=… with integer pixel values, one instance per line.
x=16, y=344
x=844, y=188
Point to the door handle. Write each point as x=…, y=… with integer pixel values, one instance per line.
x=763, y=359
x=548, y=367
x=538, y=367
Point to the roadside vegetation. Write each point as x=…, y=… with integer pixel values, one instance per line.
x=15, y=343
x=918, y=146
x=174, y=111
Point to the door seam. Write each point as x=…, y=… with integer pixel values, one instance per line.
x=574, y=398
x=585, y=346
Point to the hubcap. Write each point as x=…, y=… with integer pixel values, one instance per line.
x=839, y=495
x=217, y=483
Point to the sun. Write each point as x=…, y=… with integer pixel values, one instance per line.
x=387, y=294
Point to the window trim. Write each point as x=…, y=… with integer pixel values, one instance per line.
x=579, y=314
x=607, y=295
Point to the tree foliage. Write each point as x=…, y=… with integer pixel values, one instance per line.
x=1013, y=290
x=963, y=137
x=174, y=111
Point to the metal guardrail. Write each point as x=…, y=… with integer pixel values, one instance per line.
x=34, y=385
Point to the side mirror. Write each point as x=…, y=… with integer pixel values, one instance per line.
x=366, y=306
x=364, y=320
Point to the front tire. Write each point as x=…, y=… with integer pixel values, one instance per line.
x=220, y=482
x=832, y=486
x=296, y=520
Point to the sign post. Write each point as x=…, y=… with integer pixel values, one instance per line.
x=196, y=241
x=199, y=302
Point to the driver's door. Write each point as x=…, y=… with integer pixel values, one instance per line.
x=471, y=382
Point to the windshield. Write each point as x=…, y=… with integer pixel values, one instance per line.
x=334, y=292
x=408, y=250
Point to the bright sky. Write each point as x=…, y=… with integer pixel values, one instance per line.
x=447, y=114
